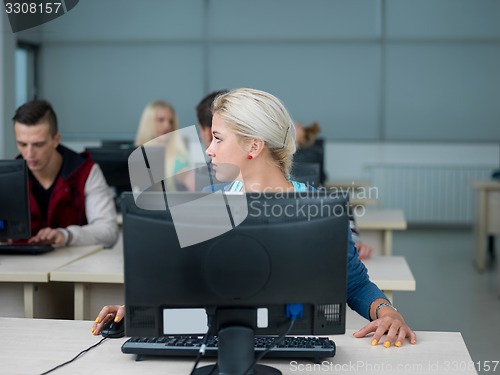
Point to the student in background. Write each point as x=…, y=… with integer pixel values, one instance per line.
x=69, y=200
x=204, y=114
x=253, y=131
x=159, y=118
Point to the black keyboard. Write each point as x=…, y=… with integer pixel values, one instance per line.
x=188, y=346
x=25, y=249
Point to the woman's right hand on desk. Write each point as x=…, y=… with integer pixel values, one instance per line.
x=116, y=312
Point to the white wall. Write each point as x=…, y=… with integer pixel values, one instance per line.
x=348, y=161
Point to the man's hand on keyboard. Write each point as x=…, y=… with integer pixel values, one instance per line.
x=115, y=312
x=48, y=236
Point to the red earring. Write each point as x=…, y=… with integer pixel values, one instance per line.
x=250, y=157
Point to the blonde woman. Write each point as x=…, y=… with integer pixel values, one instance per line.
x=253, y=141
x=159, y=118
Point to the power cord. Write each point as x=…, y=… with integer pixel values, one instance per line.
x=76, y=357
x=293, y=311
x=201, y=352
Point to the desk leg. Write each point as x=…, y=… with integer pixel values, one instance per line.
x=29, y=298
x=481, y=229
x=497, y=254
x=387, y=247
x=81, y=301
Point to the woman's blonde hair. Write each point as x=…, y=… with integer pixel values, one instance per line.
x=176, y=151
x=255, y=114
x=147, y=125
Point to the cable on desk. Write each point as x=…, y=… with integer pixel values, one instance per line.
x=293, y=311
x=76, y=357
x=201, y=352
x=275, y=343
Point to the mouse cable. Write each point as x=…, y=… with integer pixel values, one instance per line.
x=201, y=352
x=74, y=358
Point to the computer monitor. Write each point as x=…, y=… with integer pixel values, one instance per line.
x=307, y=173
x=117, y=143
x=313, y=154
x=290, y=249
x=114, y=165
x=14, y=202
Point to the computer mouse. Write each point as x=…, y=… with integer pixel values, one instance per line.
x=114, y=329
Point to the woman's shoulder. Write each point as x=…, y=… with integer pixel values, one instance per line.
x=300, y=187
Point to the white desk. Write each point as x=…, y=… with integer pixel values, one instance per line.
x=361, y=193
x=390, y=273
x=376, y=227
x=98, y=280
x=32, y=346
x=24, y=282
x=487, y=217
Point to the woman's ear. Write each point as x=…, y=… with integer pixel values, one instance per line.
x=256, y=147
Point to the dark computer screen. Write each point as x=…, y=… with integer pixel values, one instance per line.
x=313, y=154
x=307, y=173
x=14, y=202
x=290, y=248
x=114, y=165
x=117, y=143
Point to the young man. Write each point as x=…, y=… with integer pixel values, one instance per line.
x=204, y=115
x=69, y=200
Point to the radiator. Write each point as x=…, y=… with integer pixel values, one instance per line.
x=428, y=194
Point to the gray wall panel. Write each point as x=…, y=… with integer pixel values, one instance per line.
x=336, y=85
x=127, y=20
x=443, y=18
x=100, y=91
x=443, y=92
x=291, y=19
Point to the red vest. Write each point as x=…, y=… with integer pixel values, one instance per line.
x=67, y=201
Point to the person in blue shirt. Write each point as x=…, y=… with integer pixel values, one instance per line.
x=253, y=142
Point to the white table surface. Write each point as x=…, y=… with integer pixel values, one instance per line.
x=390, y=273
x=24, y=282
x=105, y=266
x=376, y=227
x=380, y=219
x=32, y=346
x=36, y=268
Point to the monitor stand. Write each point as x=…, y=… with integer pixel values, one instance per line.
x=235, y=354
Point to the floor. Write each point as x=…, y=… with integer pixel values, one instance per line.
x=451, y=295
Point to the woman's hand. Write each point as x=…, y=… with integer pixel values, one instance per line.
x=115, y=312
x=391, y=323
x=365, y=251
